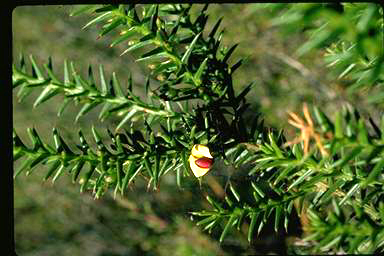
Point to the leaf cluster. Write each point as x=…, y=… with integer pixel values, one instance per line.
x=350, y=33
x=350, y=178
x=172, y=126
x=192, y=101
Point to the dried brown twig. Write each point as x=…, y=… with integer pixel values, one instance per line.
x=307, y=131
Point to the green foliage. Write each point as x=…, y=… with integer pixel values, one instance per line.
x=352, y=35
x=165, y=149
x=280, y=177
x=337, y=232
x=190, y=99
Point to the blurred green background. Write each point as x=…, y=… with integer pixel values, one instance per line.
x=57, y=220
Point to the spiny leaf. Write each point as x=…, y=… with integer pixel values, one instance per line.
x=37, y=160
x=363, y=137
x=229, y=53
x=349, y=194
x=336, y=185
x=251, y=228
x=104, y=111
x=85, y=109
x=199, y=72
x=111, y=26
x=338, y=125
x=154, y=16
x=66, y=73
x=336, y=207
x=236, y=66
x=276, y=148
x=283, y=174
x=128, y=116
x=164, y=166
x=277, y=217
x=99, y=18
x=35, y=68
x=301, y=178
x=22, y=63
x=347, y=70
x=227, y=227
x=49, y=70
x=342, y=162
x=178, y=176
x=206, y=220
x=76, y=170
x=58, y=173
x=211, y=225
x=135, y=173
x=128, y=174
x=185, y=162
x=116, y=86
x=52, y=169
x=331, y=243
x=261, y=225
x=325, y=123
x=379, y=168
x=244, y=92
x=22, y=167
x=124, y=36
x=154, y=55
x=375, y=127
x=214, y=29
x=35, y=138
x=156, y=169
x=167, y=65
x=186, y=55
x=137, y=45
x=104, y=88
x=60, y=144
x=148, y=165
x=23, y=93
x=214, y=203
x=47, y=93
x=63, y=106
x=91, y=79
x=97, y=138
x=234, y=192
x=239, y=151
x=258, y=190
x=119, y=167
x=84, y=180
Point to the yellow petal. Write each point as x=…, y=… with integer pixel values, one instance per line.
x=199, y=150
x=197, y=171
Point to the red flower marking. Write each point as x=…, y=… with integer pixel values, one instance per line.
x=204, y=162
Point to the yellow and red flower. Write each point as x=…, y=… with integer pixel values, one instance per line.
x=200, y=160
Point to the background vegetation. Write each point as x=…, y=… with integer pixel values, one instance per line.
x=57, y=220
